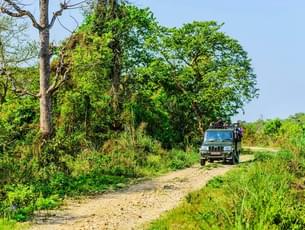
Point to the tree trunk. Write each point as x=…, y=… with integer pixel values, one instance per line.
x=117, y=54
x=101, y=8
x=45, y=70
x=4, y=92
x=108, y=10
x=116, y=71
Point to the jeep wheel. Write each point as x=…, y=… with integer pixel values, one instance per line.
x=202, y=162
x=233, y=161
x=237, y=157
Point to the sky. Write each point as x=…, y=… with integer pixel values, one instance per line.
x=273, y=34
x=271, y=31
x=65, y=24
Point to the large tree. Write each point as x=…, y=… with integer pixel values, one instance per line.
x=94, y=64
x=17, y=9
x=129, y=28
x=202, y=74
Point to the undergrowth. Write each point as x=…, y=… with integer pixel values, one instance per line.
x=6, y=224
x=33, y=184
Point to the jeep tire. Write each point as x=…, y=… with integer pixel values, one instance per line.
x=202, y=162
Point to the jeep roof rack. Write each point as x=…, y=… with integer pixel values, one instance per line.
x=222, y=125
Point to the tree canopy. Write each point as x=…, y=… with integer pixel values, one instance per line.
x=125, y=69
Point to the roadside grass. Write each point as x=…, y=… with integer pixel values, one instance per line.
x=6, y=224
x=120, y=162
x=254, y=149
x=247, y=151
x=265, y=194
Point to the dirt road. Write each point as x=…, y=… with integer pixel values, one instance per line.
x=261, y=149
x=131, y=208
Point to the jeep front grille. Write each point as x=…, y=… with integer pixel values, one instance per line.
x=216, y=148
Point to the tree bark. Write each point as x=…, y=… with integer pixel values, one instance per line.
x=116, y=71
x=45, y=70
x=117, y=54
x=108, y=10
x=14, y=9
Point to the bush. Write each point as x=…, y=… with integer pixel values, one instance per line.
x=41, y=176
x=20, y=202
x=288, y=134
x=48, y=203
x=264, y=156
x=179, y=159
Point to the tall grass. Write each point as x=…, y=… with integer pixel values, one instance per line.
x=268, y=194
x=288, y=134
x=6, y=224
x=118, y=162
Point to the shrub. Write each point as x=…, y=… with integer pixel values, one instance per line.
x=179, y=159
x=264, y=156
x=48, y=203
x=20, y=202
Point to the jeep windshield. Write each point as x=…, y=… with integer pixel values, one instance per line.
x=212, y=136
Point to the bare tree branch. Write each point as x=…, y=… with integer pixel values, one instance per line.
x=19, y=13
x=62, y=71
x=63, y=26
x=59, y=77
x=18, y=89
x=74, y=19
x=64, y=6
x=58, y=82
x=15, y=8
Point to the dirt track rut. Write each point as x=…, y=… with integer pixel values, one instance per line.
x=133, y=207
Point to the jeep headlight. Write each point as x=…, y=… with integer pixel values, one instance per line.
x=204, y=148
x=227, y=148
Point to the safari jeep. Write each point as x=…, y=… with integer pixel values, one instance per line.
x=222, y=144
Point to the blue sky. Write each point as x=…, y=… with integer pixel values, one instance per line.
x=273, y=34
x=271, y=31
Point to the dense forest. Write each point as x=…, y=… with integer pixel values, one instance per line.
x=125, y=97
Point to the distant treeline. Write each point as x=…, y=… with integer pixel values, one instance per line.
x=287, y=133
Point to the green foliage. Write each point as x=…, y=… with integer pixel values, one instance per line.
x=179, y=159
x=262, y=156
x=272, y=127
x=6, y=224
x=288, y=134
x=176, y=80
x=262, y=195
x=173, y=82
x=48, y=203
x=199, y=74
x=129, y=26
x=19, y=204
x=15, y=51
x=52, y=177
x=216, y=182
